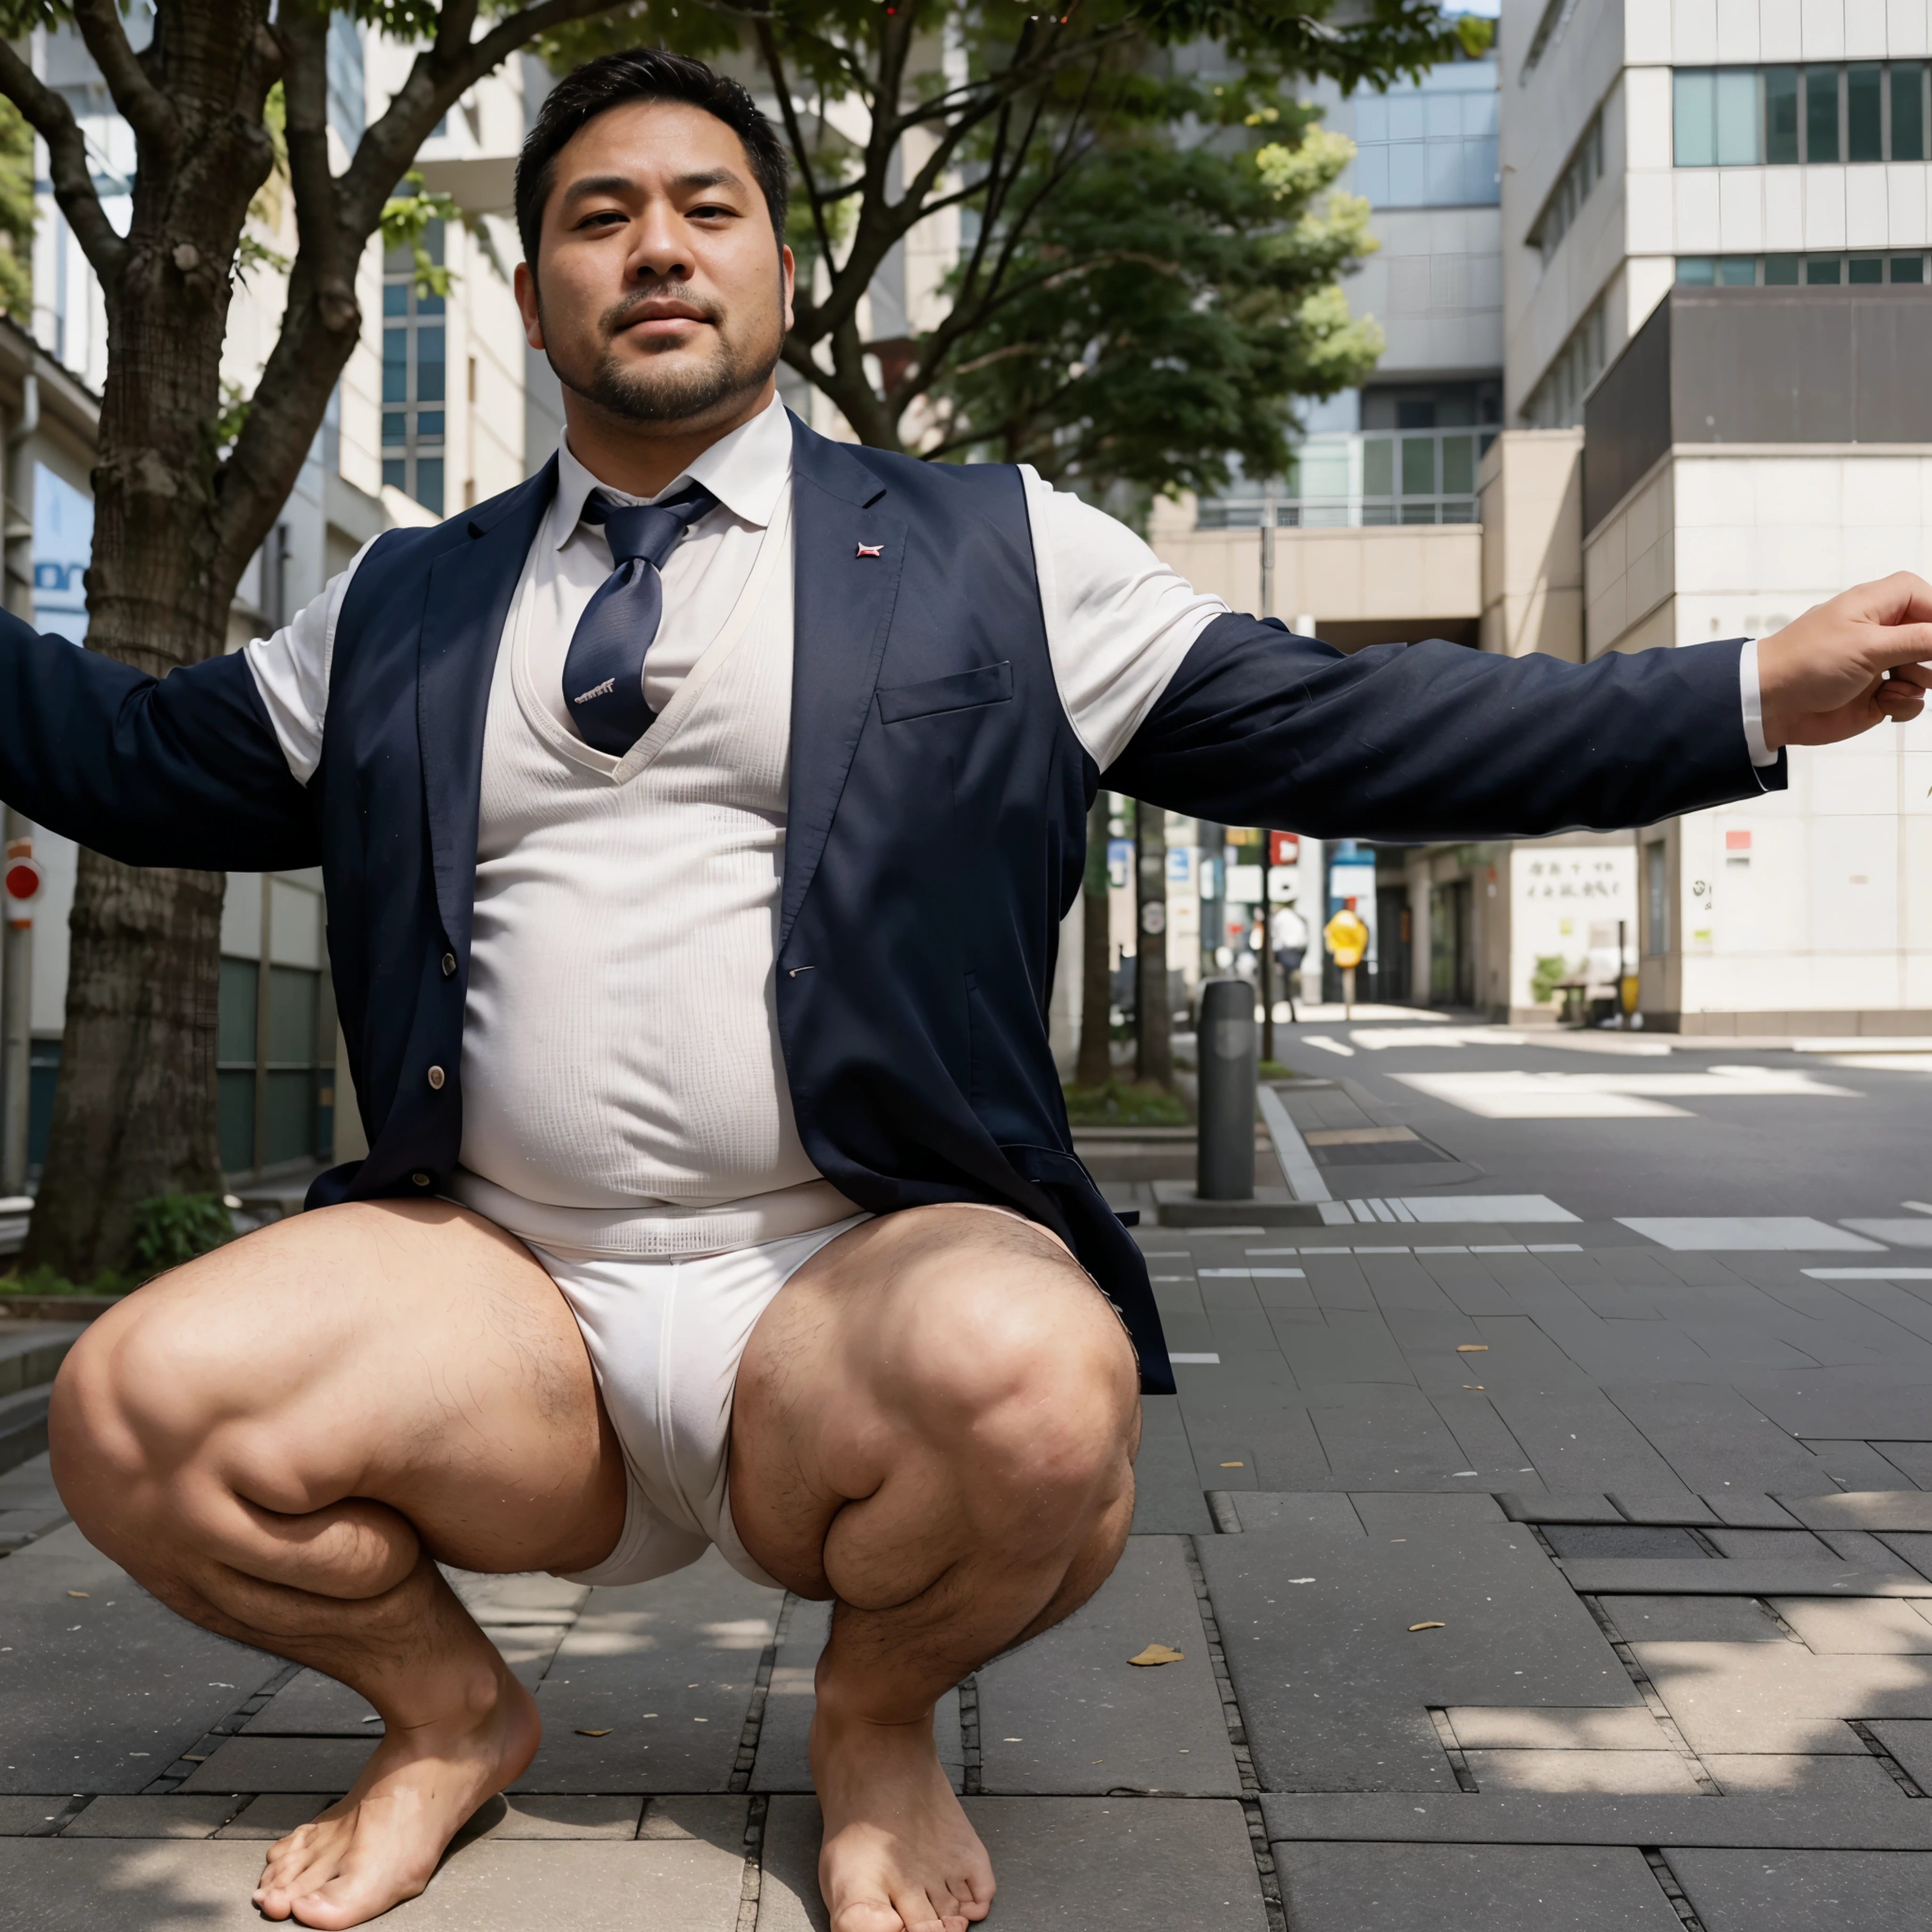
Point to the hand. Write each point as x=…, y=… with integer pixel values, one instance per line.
x=1846, y=664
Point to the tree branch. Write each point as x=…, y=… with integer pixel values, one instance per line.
x=768, y=49
x=51, y=118
x=143, y=106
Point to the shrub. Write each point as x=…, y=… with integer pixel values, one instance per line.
x=172, y=1228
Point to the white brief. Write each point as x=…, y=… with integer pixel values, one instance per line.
x=665, y=1339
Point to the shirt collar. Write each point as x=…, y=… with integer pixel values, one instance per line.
x=745, y=471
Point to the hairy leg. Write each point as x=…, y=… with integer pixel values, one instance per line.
x=282, y=1439
x=934, y=1424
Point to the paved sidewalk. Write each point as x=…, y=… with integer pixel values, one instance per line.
x=1539, y=1576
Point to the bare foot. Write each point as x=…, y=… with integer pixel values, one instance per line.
x=380, y=1844
x=898, y=1855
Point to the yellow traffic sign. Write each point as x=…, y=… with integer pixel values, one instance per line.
x=1348, y=938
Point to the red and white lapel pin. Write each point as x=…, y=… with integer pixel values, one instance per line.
x=872, y=550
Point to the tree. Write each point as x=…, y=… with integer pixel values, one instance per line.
x=1168, y=307
x=179, y=508
x=979, y=110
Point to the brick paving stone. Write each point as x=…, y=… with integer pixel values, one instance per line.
x=1628, y=1772
x=1825, y=1819
x=527, y=1596
x=1063, y=1865
x=1389, y=1513
x=1471, y=1888
x=1856, y=1465
x=1883, y=1509
x=1626, y=1540
x=1749, y=1509
x=1334, y=1686
x=1865, y=1626
x=102, y=1692
x=1911, y=1744
x=541, y=1815
x=65, y=1885
x=276, y=1813
x=26, y=1817
x=1778, y=1697
x=281, y=1764
x=1067, y=1713
x=665, y=1668
x=1770, y=1775
x=712, y=1816
x=1739, y=1576
x=1167, y=1497
x=171, y=1817
x=782, y=1764
x=1692, y=1620
x=1479, y=1727
x=1792, y=1545
x=1684, y=1508
x=1522, y=1506
x=311, y=1704
x=1332, y=1514
x=1806, y=1892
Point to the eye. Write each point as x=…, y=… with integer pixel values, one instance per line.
x=711, y=211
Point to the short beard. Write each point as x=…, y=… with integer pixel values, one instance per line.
x=683, y=394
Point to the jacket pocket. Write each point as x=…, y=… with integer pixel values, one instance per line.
x=961, y=690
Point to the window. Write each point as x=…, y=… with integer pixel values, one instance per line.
x=1585, y=170
x=1557, y=401
x=1739, y=116
x=342, y=60
x=1773, y=271
x=1431, y=142
x=275, y=1072
x=414, y=355
x=1656, y=899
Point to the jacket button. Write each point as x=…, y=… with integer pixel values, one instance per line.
x=448, y=964
x=421, y=1180
x=435, y=1077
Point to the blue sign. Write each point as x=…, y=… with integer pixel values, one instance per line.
x=63, y=543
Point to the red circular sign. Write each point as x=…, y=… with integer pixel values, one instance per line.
x=23, y=878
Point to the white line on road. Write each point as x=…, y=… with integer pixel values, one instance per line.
x=1291, y=1151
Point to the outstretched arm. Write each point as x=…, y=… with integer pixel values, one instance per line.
x=1433, y=741
x=184, y=770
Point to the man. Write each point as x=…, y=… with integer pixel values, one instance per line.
x=697, y=820
x=1288, y=934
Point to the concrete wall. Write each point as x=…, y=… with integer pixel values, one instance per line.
x=1532, y=553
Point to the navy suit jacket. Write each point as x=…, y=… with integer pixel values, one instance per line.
x=937, y=825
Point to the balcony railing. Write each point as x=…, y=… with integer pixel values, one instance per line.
x=1374, y=477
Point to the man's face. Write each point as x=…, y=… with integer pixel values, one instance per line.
x=661, y=295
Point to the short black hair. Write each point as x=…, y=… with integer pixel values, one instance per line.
x=643, y=74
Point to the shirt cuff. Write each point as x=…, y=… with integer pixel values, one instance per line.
x=1761, y=754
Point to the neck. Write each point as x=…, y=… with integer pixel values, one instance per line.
x=641, y=458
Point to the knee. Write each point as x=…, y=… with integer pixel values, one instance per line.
x=1029, y=1383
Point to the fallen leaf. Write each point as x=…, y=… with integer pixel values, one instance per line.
x=1416, y=1627
x=1234, y=1465
x=76, y=1593
x=1158, y=1653
x=583, y=1733
x=189, y=1757
x=1472, y=1347
x=1301, y=1579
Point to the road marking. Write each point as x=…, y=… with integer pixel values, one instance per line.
x=1197, y=1361
x=1518, y=1095
x=1291, y=1152
x=1744, y=1233
x=1868, y=1274
x=1328, y=1045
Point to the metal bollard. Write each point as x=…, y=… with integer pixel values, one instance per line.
x=1226, y=1052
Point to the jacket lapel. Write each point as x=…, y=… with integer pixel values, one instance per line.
x=848, y=557
x=470, y=587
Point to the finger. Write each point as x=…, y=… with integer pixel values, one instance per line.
x=1919, y=676
x=1903, y=598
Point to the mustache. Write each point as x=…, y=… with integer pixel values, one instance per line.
x=620, y=315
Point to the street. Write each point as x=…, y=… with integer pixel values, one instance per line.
x=1544, y=1534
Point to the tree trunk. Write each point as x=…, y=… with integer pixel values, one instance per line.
x=134, y=1112
x=1154, y=1023
x=1096, y=1064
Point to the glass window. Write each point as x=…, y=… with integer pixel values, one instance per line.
x=1780, y=271
x=1418, y=466
x=1821, y=114
x=1737, y=271
x=396, y=365
x=1866, y=268
x=429, y=365
x=1823, y=272
x=1737, y=117
x=1695, y=111
x=395, y=426
x=1864, y=132
x=395, y=298
x=1458, y=465
x=1780, y=114
x=1908, y=113
x=429, y=484
x=395, y=473
x=1908, y=268
x=234, y=1013
x=1696, y=272
x=1378, y=467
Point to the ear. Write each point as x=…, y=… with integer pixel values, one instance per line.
x=788, y=270
x=525, y=285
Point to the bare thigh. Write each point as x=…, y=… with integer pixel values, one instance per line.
x=409, y=1354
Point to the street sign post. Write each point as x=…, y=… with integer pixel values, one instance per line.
x=1347, y=938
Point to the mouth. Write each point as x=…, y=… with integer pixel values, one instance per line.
x=661, y=320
